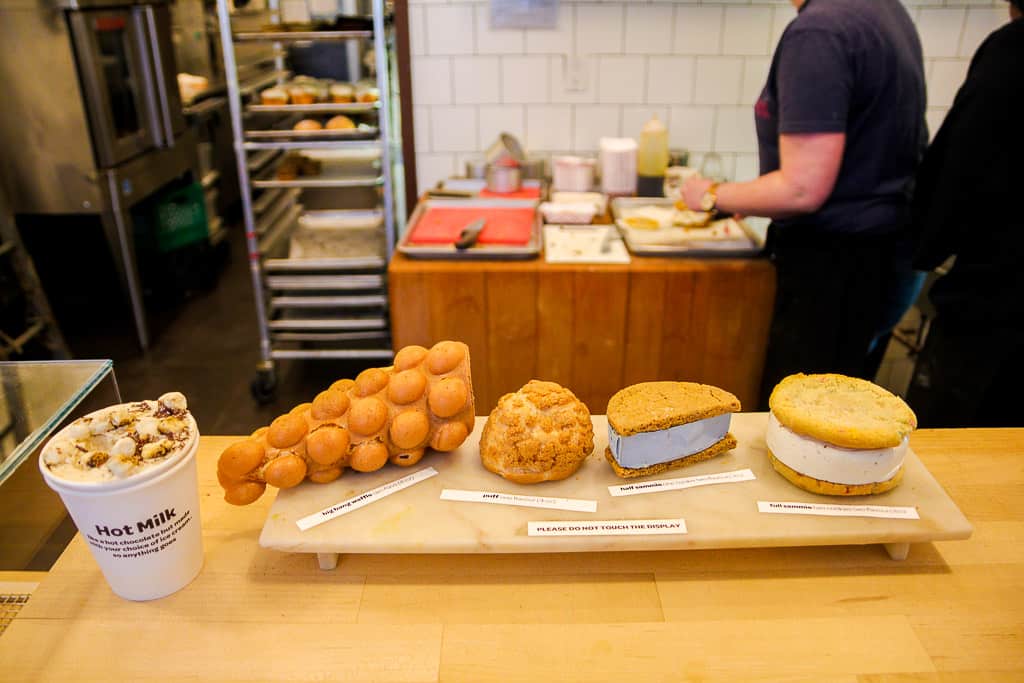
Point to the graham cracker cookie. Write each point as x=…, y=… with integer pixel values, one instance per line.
x=843, y=411
x=726, y=444
x=650, y=406
x=829, y=488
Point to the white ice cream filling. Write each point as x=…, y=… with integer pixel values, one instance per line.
x=651, y=448
x=823, y=461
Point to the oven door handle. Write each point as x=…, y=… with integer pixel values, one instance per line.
x=162, y=109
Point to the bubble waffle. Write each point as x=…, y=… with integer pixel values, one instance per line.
x=424, y=400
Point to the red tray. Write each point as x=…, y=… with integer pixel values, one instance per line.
x=444, y=225
x=511, y=230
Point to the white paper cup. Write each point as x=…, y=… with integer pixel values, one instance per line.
x=144, y=530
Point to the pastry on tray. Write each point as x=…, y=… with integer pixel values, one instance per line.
x=342, y=93
x=838, y=435
x=294, y=166
x=303, y=94
x=393, y=414
x=340, y=122
x=274, y=96
x=367, y=94
x=657, y=426
x=308, y=125
x=540, y=433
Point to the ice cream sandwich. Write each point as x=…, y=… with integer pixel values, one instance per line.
x=838, y=435
x=657, y=426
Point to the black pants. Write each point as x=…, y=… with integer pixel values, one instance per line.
x=831, y=300
x=969, y=374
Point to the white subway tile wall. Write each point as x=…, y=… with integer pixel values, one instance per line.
x=718, y=80
x=477, y=80
x=498, y=119
x=608, y=66
x=648, y=29
x=524, y=79
x=591, y=123
x=453, y=129
x=621, y=80
x=670, y=79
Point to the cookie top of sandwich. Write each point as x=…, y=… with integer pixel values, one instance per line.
x=650, y=406
x=844, y=411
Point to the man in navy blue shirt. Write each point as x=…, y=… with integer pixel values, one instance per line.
x=840, y=126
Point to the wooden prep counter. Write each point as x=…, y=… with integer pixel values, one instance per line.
x=595, y=328
x=952, y=611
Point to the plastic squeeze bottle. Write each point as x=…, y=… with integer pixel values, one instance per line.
x=652, y=158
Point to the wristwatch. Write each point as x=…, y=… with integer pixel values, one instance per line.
x=709, y=198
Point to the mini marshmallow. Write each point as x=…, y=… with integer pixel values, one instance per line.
x=174, y=401
x=119, y=418
x=120, y=466
x=55, y=455
x=171, y=426
x=124, y=446
x=77, y=430
x=155, y=450
x=148, y=427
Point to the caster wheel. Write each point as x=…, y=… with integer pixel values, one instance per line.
x=263, y=387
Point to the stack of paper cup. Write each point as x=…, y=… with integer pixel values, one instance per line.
x=572, y=174
x=143, y=529
x=618, y=166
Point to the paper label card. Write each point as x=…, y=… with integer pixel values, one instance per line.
x=363, y=499
x=495, y=498
x=608, y=527
x=827, y=510
x=681, y=483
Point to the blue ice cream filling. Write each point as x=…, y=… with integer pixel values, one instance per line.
x=651, y=448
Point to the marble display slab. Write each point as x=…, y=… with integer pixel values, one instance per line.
x=416, y=520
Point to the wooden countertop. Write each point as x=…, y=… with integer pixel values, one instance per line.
x=951, y=611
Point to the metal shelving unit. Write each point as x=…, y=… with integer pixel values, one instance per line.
x=314, y=306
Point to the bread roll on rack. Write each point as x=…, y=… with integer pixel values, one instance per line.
x=393, y=414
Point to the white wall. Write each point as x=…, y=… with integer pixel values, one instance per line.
x=698, y=65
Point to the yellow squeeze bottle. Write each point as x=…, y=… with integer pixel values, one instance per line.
x=652, y=158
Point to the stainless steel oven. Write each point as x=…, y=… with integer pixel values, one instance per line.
x=91, y=121
x=126, y=66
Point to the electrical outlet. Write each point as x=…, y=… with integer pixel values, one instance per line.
x=575, y=73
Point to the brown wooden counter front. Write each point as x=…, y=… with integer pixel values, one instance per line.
x=591, y=328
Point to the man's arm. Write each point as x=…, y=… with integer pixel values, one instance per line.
x=809, y=166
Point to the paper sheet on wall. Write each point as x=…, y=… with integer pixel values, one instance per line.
x=524, y=13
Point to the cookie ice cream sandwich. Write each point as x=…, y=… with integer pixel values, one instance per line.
x=838, y=435
x=657, y=426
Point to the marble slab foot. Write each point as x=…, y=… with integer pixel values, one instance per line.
x=897, y=551
x=329, y=561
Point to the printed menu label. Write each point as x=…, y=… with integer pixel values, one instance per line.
x=612, y=527
x=371, y=496
x=681, y=483
x=793, y=508
x=494, y=498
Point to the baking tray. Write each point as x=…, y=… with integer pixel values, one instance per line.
x=316, y=108
x=338, y=234
x=500, y=252
x=645, y=249
x=343, y=218
x=361, y=132
x=300, y=36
